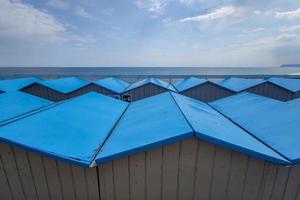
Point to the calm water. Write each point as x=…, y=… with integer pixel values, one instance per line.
x=141, y=72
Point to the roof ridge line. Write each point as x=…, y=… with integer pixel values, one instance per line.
x=249, y=133
x=182, y=113
x=32, y=112
x=93, y=162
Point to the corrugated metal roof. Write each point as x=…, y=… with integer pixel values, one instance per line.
x=13, y=104
x=151, y=80
x=147, y=123
x=188, y=83
x=16, y=84
x=274, y=123
x=72, y=131
x=239, y=84
x=65, y=85
x=287, y=83
x=213, y=127
x=113, y=84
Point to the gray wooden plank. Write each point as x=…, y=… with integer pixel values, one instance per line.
x=253, y=178
x=187, y=163
x=268, y=182
x=293, y=183
x=9, y=163
x=92, y=183
x=5, y=191
x=39, y=175
x=106, y=177
x=237, y=176
x=280, y=182
x=79, y=180
x=154, y=174
x=137, y=176
x=121, y=175
x=66, y=178
x=170, y=171
x=222, y=164
x=52, y=177
x=204, y=168
x=25, y=173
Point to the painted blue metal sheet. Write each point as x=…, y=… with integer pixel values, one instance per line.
x=277, y=124
x=151, y=80
x=16, y=84
x=188, y=83
x=73, y=130
x=213, y=127
x=65, y=85
x=147, y=123
x=14, y=104
x=292, y=85
x=114, y=84
x=240, y=84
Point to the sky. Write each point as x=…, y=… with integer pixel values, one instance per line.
x=154, y=33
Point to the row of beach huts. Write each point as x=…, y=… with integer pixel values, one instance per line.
x=192, y=139
x=282, y=89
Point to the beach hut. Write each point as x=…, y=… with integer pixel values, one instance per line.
x=201, y=89
x=290, y=87
x=111, y=86
x=47, y=155
x=146, y=88
x=9, y=85
x=167, y=146
x=56, y=89
x=263, y=87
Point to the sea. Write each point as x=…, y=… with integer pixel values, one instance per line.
x=93, y=73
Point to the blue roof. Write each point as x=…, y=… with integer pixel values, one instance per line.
x=213, y=127
x=16, y=84
x=188, y=83
x=239, y=84
x=14, y=104
x=73, y=130
x=65, y=85
x=147, y=123
x=151, y=80
x=277, y=124
x=113, y=84
x=292, y=85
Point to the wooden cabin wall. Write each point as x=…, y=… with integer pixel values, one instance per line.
x=28, y=175
x=207, y=92
x=145, y=91
x=272, y=91
x=190, y=169
x=45, y=92
x=92, y=88
x=193, y=169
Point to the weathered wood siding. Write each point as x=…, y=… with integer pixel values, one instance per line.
x=53, y=95
x=144, y=91
x=272, y=91
x=44, y=92
x=207, y=92
x=28, y=175
x=190, y=169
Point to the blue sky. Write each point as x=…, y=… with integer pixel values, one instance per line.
x=149, y=33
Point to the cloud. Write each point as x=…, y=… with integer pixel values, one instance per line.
x=77, y=10
x=156, y=7
x=83, y=40
x=288, y=14
x=58, y=4
x=290, y=28
x=219, y=13
x=22, y=21
x=257, y=30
